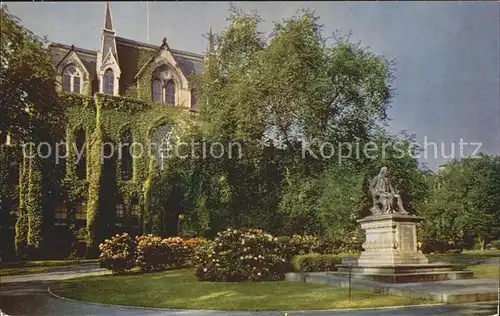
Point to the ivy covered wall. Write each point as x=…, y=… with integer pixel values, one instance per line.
x=105, y=118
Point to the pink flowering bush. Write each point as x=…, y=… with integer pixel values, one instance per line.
x=180, y=252
x=193, y=244
x=117, y=253
x=240, y=255
x=152, y=253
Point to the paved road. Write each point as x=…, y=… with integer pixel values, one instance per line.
x=27, y=295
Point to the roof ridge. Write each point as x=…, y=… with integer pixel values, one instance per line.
x=177, y=51
x=79, y=49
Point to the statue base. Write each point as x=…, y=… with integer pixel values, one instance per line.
x=391, y=253
x=391, y=239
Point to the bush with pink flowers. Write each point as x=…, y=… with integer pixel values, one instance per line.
x=180, y=252
x=117, y=253
x=152, y=253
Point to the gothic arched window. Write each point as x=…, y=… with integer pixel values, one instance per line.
x=170, y=92
x=163, y=88
x=157, y=90
x=71, y=79
x=108, y=82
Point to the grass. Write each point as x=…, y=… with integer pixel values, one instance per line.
x=180, y=289
x=30, y=267
x=472, y=260
x=488, y=271
x=465, y=256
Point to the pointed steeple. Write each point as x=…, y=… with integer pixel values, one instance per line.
x=210, y=44
x=108, y=23
x=107, y=58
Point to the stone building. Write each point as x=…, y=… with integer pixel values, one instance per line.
x=128, y=92
x=116, y=67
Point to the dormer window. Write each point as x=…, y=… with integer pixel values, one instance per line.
x=108, y=82
x=163, y=89
x=71, y=80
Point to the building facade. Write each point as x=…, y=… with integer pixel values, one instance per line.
x=116, y=68
x=127, y=93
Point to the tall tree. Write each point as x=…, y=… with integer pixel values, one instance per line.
x=464, y=203
x=27, y=81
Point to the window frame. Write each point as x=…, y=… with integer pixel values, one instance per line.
x=82, y=205
x=157, y=93
x=108, y=82
x=71, y=76
x=170, y=98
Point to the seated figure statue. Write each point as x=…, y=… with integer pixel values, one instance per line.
x=384, y=195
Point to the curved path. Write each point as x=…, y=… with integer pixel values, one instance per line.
x=28, y=295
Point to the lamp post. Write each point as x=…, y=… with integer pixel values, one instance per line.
x=179, y=220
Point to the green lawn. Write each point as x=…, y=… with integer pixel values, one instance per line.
x=465, y=256
x=180, y=289
x=472, y=260
x=30, y=267
x=489, y=271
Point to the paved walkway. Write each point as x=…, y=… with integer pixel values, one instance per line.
x=27, y=295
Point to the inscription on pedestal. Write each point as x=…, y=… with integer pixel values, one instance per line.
x=407, y=242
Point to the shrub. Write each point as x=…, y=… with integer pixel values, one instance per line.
x=299, y=245
x=152, y=253
x=117, y=253
x=240, y=255
x=193, y=244
x=180, y=252
x=315, y=262
x=495, y=244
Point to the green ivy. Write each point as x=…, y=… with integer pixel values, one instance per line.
x=21, y=237
x=95, y=180
x=34, y=202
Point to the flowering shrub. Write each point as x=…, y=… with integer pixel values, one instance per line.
x=117, y=253
x=152, y=253
x=193, y=244
x=300, y=245
x=180, y=252
x=240, y=255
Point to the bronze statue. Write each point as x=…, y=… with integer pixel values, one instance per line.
x=384, y=194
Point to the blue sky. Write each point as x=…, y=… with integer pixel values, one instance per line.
x=447, y=53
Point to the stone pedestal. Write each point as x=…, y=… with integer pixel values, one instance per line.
x=391, y=239
x=391, y=255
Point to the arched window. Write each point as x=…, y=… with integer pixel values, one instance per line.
x=80, y=154
x=170, y=92
x=157, y=90
x=126, y=167
x=108, y=82
x=71, y=80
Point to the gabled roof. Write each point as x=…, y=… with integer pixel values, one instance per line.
x=132, y=56
x=61, y=51
x=189, y=63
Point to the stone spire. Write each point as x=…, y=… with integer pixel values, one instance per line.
x=108, y=23
x=210, y=44
x=108, y=42
x=107, y=58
